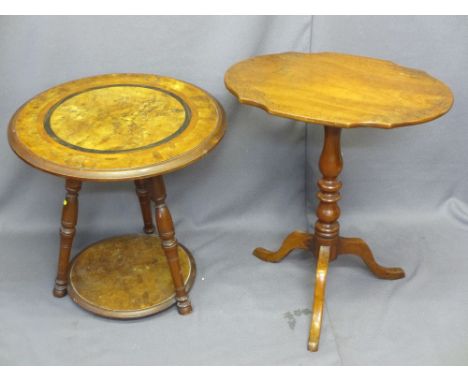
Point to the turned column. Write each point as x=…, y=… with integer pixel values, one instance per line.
x=327, y=227
x=67, y=233
x=169, y=245
x=141, y=186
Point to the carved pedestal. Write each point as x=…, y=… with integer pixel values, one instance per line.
x=325, y=243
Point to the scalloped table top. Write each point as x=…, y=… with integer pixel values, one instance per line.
x=117, y=127
x=339, y=90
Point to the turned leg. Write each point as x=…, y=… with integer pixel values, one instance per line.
x=325, y=242
x=319, y=298
x=169, y=244
x=295, y=240
x=326, y=227
x=67, y=233
x=358, y=247
x=141, y=186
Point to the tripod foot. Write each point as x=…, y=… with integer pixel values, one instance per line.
x=358, y=247
x=295, y=240
x=319, y=298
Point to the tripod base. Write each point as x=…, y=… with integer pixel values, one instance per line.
x=325, y=254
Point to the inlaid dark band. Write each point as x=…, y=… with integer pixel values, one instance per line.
x=183, y=126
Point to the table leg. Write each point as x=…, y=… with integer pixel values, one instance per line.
x=295, y=240
x=319, y=298
x=143, y=193
x=358, y=247
x=327, y=227
x=169, y=244
x=67, y=233
x=325, y=242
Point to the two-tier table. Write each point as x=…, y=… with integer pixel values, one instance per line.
x=337, y=91
x=120, y=127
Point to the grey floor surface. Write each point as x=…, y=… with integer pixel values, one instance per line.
x=251, y=313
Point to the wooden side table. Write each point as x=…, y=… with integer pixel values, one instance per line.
x=120, y=127
x=338, y=91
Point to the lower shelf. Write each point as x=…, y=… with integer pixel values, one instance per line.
x=126, y=277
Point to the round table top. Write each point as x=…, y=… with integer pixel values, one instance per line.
x=117, y=127
x=339, y=90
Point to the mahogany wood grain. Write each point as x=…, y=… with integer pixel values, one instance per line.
x=67, y=233
x=341, y=90
x=169, y=244
x=295, y=240
x=327, y=227
x=358, y=247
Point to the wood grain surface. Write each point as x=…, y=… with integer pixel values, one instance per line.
x=117, y=127
x=126, y=277
x=339, y=90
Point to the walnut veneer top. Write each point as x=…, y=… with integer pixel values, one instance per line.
x=117, y=127
x=339, y=90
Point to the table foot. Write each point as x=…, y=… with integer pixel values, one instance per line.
x=184, y=306
x=60, y=289
x=295, y=240
x=319, y=298
x=358, y=247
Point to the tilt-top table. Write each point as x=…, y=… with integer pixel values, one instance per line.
x=337, y=91
x=120, y=127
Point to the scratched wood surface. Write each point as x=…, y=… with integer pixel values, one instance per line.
x=339, y=90
x=117, y=127
x=126, y=277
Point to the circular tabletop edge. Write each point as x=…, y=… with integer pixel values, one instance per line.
x=171, y=165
